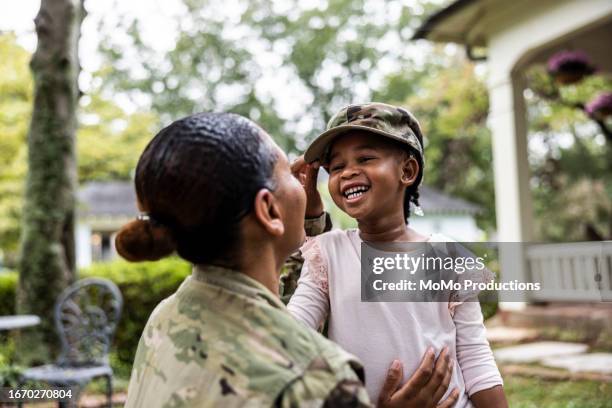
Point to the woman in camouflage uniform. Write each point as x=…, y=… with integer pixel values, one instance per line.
x=217, y=190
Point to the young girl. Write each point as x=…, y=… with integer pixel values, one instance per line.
x=374, y=156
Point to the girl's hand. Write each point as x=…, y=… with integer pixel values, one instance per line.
x=424, y=389
x=307, y=175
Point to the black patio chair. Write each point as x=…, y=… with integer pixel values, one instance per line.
x=86, y=316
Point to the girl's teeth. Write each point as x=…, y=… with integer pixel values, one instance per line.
x=355, y=190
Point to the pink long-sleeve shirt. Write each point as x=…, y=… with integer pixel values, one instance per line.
x=379, y=332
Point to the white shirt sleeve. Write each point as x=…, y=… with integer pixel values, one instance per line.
x=474, y=354
x=310, y=302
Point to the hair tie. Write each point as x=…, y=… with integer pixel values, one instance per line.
x=154, y=221
x=143, y=216
x=418, y=210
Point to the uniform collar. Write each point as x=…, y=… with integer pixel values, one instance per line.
x=235, y=281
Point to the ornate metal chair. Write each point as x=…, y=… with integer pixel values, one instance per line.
x=86, y=316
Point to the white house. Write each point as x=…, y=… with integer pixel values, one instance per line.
x=105, y=206
x=512, y=35
x=451, y=216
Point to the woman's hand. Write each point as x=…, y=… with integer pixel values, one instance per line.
x=307, y=175
x=426, y=386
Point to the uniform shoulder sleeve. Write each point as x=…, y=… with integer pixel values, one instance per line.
x=322, y=389
x=318, y=225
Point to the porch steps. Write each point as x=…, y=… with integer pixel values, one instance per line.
x=589, y=323
x=554, y=356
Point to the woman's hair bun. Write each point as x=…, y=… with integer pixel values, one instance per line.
x=144, y=240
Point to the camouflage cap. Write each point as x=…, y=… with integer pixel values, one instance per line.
x=386, y=120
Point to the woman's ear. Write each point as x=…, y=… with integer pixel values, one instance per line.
x=267, y=212
x=410, y=170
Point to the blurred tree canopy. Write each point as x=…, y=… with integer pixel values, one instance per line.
x=339, y=52
x=571, y=160
x=16, y=88
x=451, y=104
x=109, y=140
x=330, y=52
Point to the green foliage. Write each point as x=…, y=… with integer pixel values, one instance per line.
x=10, y=375
x=557, y=108
x=572, y=168
x=9, y=371
x=330, y=52
x=8, y=283
x=109, y=140
x=339, y=218
x=143, y=286
x=451, y=106
x=16, y=88
x=575, y=210
x=530, y=392
x=489, y=309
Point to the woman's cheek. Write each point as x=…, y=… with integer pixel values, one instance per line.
x=299, y=192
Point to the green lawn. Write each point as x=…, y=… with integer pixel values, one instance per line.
x=526, y=392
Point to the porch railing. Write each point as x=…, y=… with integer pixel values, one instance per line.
x=580, y=271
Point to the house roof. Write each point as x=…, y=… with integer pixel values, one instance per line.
x=453, y=23
x=434, y=201
x=115, y=199
x=107, y=199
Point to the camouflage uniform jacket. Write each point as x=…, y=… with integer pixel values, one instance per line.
x=224, y=340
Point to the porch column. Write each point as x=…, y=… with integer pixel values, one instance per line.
x=508, y=123
x=83, y=244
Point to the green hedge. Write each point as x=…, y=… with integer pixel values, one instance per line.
x=8, y=283
x=143, y=286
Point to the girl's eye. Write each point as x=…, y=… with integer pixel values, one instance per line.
x=365, y=159
x=336, y=167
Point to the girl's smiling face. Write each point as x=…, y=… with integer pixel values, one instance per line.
x=368, y=175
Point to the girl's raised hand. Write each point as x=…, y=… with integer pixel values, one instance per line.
x=424, y=389
x=307, y=175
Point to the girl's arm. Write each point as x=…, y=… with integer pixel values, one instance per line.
x=310, y=302
x=493, y=397
x=483, y=382
x=293, y=265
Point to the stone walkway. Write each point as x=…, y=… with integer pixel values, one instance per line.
x=510, y=335
x=595, y=362
x=569, y=356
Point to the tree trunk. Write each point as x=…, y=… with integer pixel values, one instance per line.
x=47, y=262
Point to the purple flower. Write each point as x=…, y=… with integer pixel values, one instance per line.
x=569, y=67
x=567, y=59
x=601, y=106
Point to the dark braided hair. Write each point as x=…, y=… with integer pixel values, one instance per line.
x=412, y=192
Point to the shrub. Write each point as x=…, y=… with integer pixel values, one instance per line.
x=9, y=372
x=8, y=283
x=143, y=286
